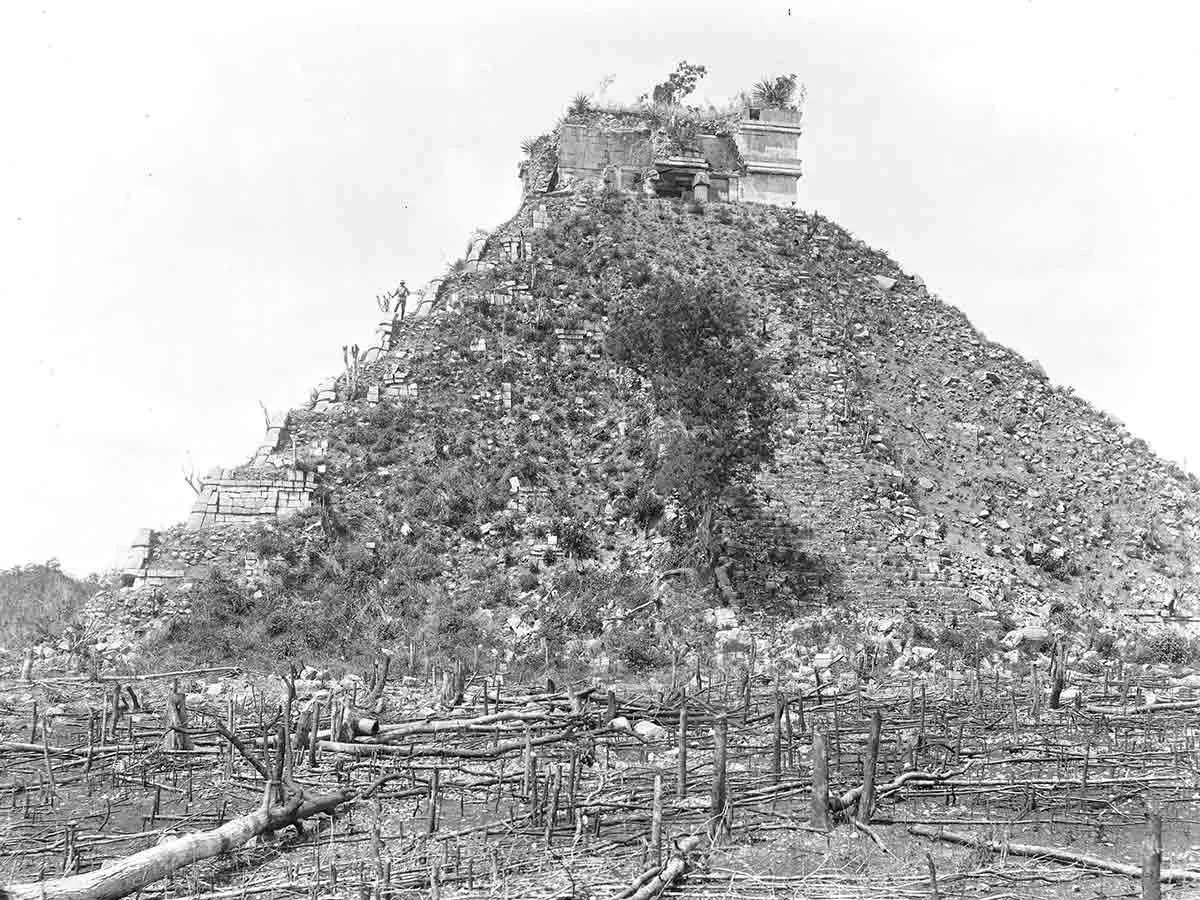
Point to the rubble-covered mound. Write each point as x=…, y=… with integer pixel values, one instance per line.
x=536, y=466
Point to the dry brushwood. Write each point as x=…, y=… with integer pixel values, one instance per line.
x=1069, y=857
x=518, y=768
x=125, y=876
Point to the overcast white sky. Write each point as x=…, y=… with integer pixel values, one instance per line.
x=199, y=203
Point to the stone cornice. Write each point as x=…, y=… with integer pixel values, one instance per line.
x=781, y=127
x=773, y=167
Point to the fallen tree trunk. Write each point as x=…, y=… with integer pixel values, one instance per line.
x=1069, y=857
x=414, y=750
x=1158, y=706
x=125, y=876
x=850, y=798
x=453, y=726
x=82, y=751
x=656, y=880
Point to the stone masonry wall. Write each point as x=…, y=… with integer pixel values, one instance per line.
x=271, y=488
x=227, y=497
x=770, y=145
x=775, y=190
x=588, y=149
x=142, y=569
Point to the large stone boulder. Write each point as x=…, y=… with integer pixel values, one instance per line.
x=1031, y=638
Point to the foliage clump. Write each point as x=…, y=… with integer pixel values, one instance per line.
x=575, y=538
x=711, y=386
x=678, y=85
x=648, y=507
x=1166, y=646
x=776, y=93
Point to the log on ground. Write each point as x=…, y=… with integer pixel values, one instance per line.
x=1069, y=857
x=131, y=874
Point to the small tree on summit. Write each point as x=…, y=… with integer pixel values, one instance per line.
x=678, y=85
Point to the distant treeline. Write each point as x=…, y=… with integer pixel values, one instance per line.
x=37, y=600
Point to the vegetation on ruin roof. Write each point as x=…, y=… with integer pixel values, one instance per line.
x=709, y=119
x=663, y=108
x=778, y=92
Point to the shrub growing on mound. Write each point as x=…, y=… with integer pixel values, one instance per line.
x=647, y=508
x=453, y=627
x=222, y=623
x=325, y=605
x=218, y=600
x=266, y=541
x=1166, y=647
x=575, y=539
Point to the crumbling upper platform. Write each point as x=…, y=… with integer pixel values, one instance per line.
x=752, y=155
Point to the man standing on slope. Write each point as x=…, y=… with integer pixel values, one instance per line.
x=402, y=299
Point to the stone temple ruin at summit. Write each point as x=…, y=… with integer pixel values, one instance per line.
x=751, y=156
